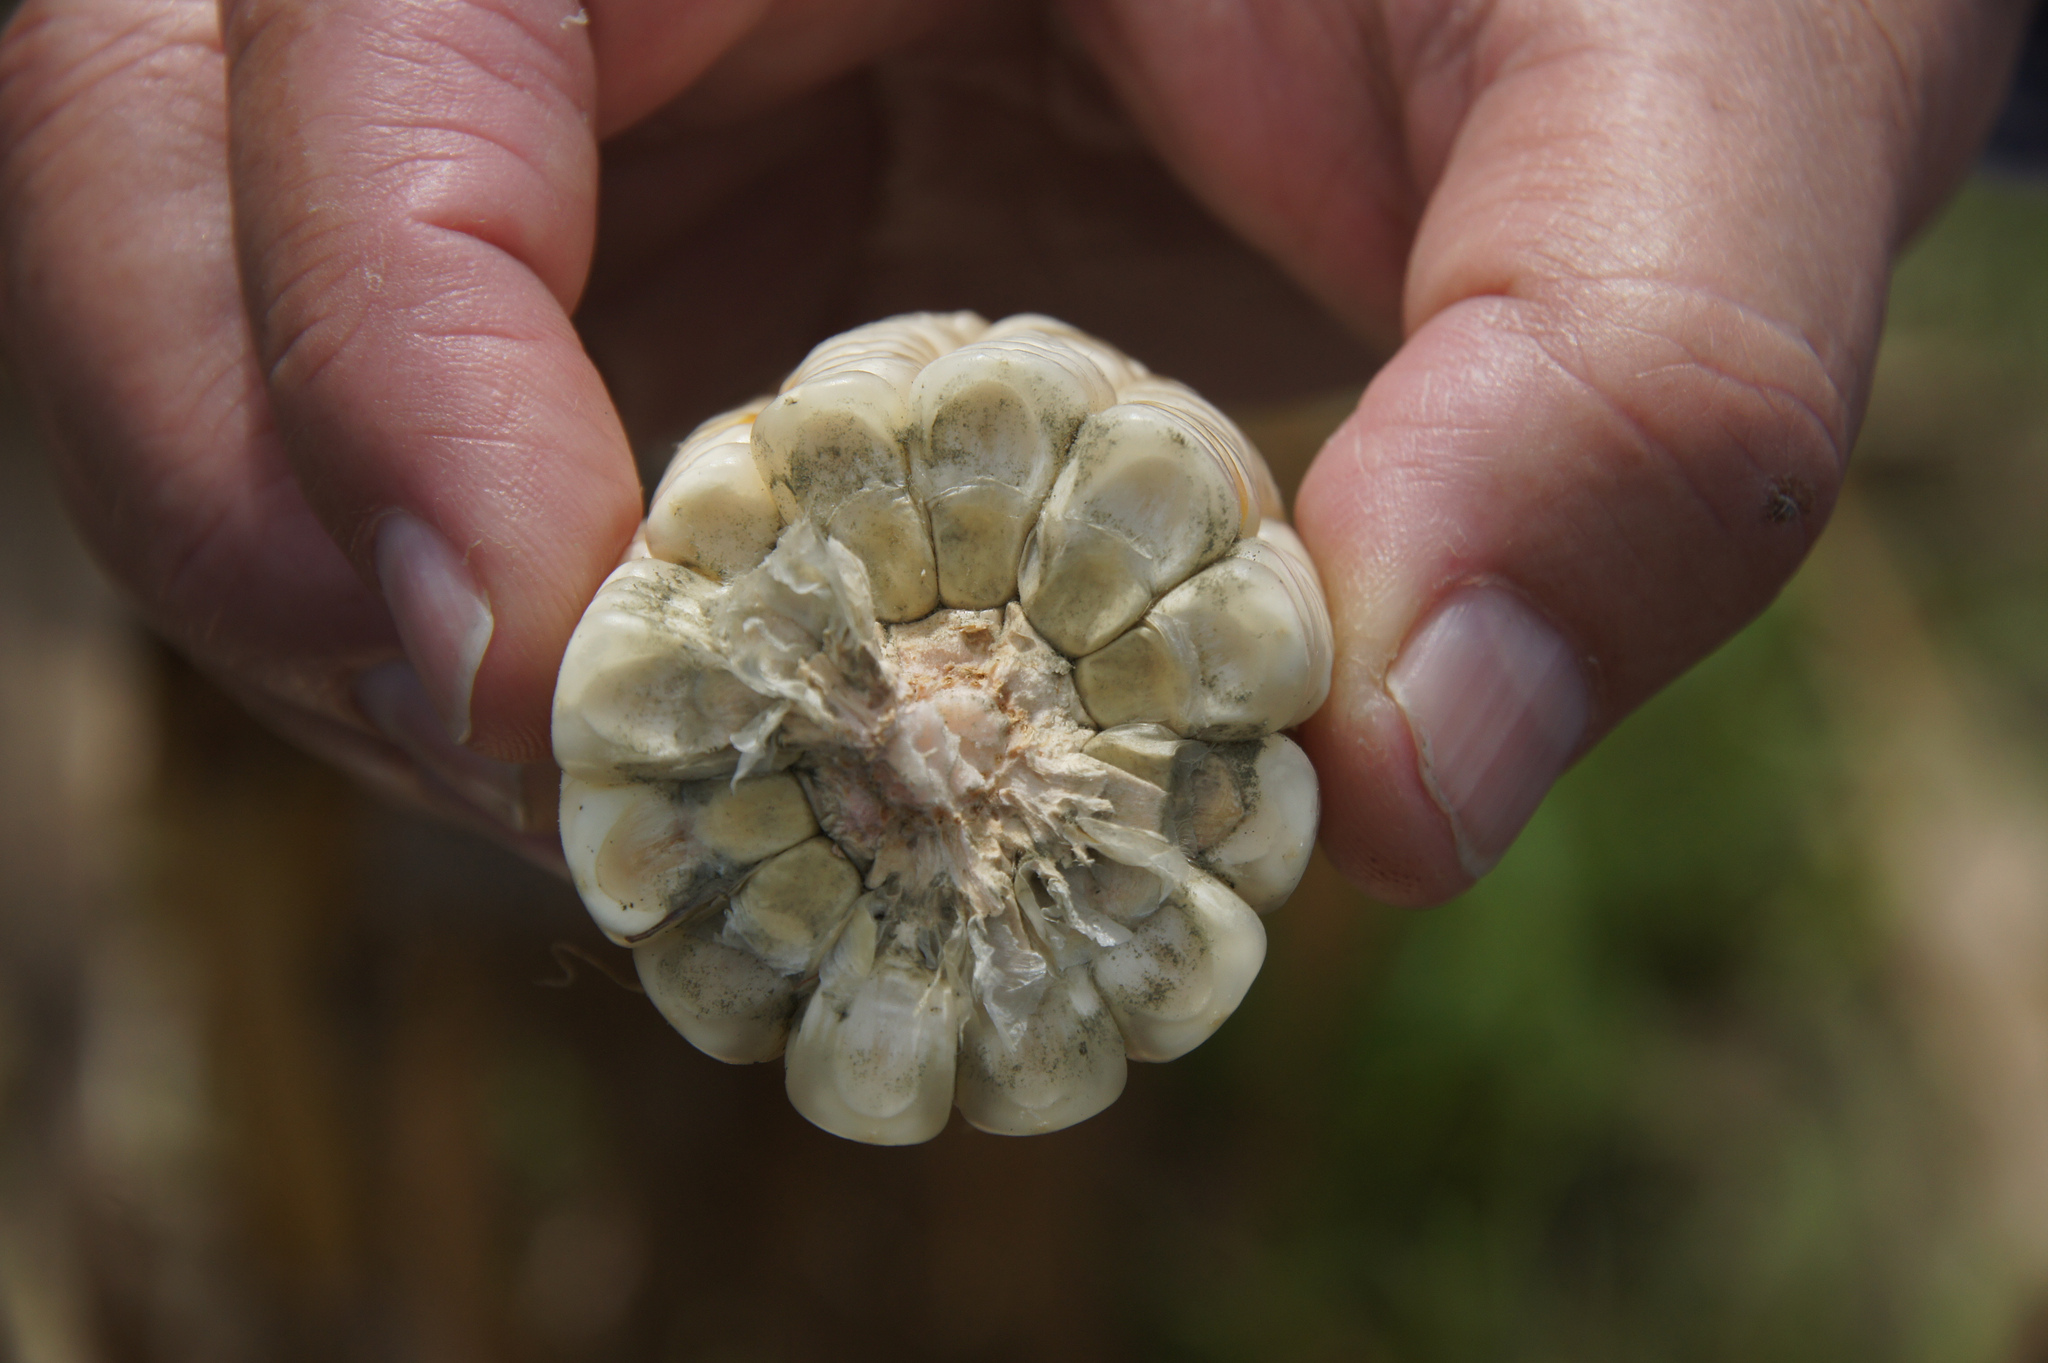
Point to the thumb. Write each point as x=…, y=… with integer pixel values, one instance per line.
x=1643, y=308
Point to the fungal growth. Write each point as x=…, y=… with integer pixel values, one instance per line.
x=930, y=734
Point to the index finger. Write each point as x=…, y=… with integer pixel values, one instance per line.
x=414, y=190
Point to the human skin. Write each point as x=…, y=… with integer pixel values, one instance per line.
x=295, y=285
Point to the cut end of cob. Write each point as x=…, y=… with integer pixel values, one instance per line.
x=929, y=735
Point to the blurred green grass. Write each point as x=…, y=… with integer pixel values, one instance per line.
x=1955, y=454
x=1614, y=1103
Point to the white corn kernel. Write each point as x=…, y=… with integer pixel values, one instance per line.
x=1185, y=969
x=792, y=907
x=996, y=418
x=1120, y=369
x=725, y=1002
x=1151, y=752
x=1244, y=812
x=711, y=511
x=832, y=445
x=830, y=770
x=1235, y=651
x=1250, y=818
x=643, y=689
x=873, y=1059
x=1068, y=1066
x=643, y=852
x=1154, y=488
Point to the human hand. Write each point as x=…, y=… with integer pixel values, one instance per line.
x=1639, y=253
x=403, y=197
x=1640, y=309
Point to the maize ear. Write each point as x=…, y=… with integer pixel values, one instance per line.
x=930, y=734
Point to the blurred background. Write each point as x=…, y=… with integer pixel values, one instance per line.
x=1741, y=1054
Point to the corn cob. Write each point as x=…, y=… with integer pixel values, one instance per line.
x=929, y=735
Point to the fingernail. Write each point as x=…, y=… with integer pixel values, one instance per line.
x=443, y=619
x=391, y=697
x=1497, y=704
